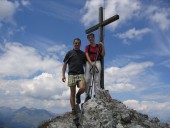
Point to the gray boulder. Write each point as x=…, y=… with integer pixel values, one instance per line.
x=105, y=112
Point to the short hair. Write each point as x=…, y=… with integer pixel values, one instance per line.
x=76, y=39
x=90, y=35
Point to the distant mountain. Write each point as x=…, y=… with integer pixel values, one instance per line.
x=23, y=117
x=3, y=125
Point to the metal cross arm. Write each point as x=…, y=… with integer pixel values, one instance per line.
x=104, y=23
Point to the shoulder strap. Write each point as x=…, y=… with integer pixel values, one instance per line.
x=70, y=55
x=90, y=46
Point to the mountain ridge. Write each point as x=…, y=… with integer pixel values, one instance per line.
x=105, y=112
x=23, y=117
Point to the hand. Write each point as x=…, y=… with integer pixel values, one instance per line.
x=64, y=79
x=94, y=65
x=94, y=69
x=100, y=43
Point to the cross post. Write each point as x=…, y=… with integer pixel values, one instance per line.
x=100, y=26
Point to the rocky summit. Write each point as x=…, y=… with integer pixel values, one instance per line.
x=105, y=112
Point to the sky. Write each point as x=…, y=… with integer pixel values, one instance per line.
x=35, y=35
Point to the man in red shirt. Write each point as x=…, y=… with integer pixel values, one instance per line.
x=94, y=53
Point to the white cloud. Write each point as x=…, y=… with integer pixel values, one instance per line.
x=133, y=33
x=151, y=107
x=60, y=50
x=25, y=2
x=10, y=88
x=159, y=16
x=7, y=10
x=58, y=106
x=45, y=90
x=23, y=61
x=126, y=9
x=45, y=86
x=91, y=8
x=162, y=43
x=165, y=63
x=50, y=47
x=8, y=23
x=124, y=79
x=157, y=95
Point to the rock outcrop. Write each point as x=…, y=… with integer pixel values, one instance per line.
x=105, y=112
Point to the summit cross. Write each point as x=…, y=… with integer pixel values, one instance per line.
x=100, y=26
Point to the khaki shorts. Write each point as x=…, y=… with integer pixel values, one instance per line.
x=73, y=80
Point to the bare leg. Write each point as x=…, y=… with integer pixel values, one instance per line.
x=72, y=96
x=80, y=91
x=82, y=87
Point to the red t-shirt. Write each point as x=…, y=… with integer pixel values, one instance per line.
x=92, y=51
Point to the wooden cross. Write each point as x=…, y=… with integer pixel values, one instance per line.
x=100, y=26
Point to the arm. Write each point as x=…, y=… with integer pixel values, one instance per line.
x=63, y=72
x=66, y=59
x=88, y=58
x=102, y=49
x=87, y=54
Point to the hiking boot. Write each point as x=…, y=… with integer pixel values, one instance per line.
x=78, y=100
x=87, y=98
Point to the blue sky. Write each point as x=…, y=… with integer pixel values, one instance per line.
x=36, y=34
